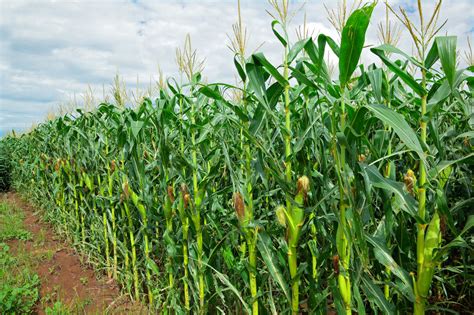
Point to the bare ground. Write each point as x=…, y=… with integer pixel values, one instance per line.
x=64, y=275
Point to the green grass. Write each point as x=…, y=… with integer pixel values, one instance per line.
x=11, y=224
x=58, y=308
x=54, y=304
x=19, y=283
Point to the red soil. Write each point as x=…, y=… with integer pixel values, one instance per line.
x=66, y=277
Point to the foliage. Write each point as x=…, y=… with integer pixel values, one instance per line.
x=301, y=194
x=58, y=309
x=11, y=222
x=5, y=169
x=17, y=295
x=19, y=283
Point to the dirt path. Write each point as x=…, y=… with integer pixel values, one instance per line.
x=63, y=277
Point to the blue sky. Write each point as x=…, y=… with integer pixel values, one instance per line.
x=51, y=51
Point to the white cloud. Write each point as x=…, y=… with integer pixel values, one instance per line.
x=50, y=50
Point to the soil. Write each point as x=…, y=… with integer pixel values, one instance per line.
x=66, y=276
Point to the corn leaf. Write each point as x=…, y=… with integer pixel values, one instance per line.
x=352, y=42
x=136, y=126
x=275, y=32
x=297, y=47
x=383, y=256
x=447, y=55
x=266, y=250
x=376, y=81
x=240, y=69
x=375, y=295
x=458, y=241
x=225, y=280
x=323, y=40
x=404, y=75
x=259, y=57
x=435, y=171
x=389, y=49
x=318, y=65
x=377, y=180
x=399, y=125
x=256, y=81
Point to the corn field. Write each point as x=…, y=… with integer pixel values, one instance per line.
x=291, y=192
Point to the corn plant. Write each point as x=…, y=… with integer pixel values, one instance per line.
x=291, y=191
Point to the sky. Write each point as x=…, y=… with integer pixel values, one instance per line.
x=53, y=51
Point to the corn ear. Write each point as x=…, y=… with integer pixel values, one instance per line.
x=280, y=215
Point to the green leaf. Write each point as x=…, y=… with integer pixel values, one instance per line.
x=376, y=80
x=211, y=93
x=295, y=50
x=447, y=55
x=317, y=59
x=301, y=77
x=432, y=56
x=312, y=52
x=152, y=266
x=404, y=75
x=280, y=38
x=469, y=225
x=270, y=68
x=440, y=95
x=322, y=41
x=136, y=126
x=256, y=81
x=375, y=295
x=377, y=180
x=240, y=69
x=389, y=49
x=257, y=119
x=352, y=42
x=383, y=256
x=457, y=242
x=225, y=280
x=435, y=171
x=266, y=250
x=359, y=300
x=399, y=125
x=273, y=94
x=468, y=134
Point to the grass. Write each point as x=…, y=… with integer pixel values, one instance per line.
x=58, y=308
x=11, y=224
x=20, y=283
x=53, y=305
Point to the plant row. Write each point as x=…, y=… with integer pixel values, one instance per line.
x=290, y=193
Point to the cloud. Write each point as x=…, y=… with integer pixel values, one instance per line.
x=50, y=50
